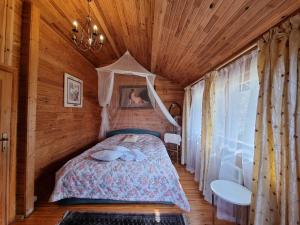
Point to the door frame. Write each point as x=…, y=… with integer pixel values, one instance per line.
x=11, y=171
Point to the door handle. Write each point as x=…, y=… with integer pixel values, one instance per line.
x=4, y=140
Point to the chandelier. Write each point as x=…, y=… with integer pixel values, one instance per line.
x=87, y=37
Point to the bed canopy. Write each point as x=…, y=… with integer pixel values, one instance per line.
x=126, y=65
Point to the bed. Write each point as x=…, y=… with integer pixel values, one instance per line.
x=153, y=180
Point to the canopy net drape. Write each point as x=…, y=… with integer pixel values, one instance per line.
x=126, y=65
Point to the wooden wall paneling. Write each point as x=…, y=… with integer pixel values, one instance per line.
x=2, y=29
x=260, y=25
x=109, y=50
x=54, y=14
x=27, y=106
x=107, y=34
x=8, y=49
x=180, y=40
x=229, y=26
x=6, y=31
x=62, y=131
x=131, y=23
x=189, y=35
x=204, y=21
x=235, y=28
x=16, y=46
x=159, y=14
x=107, y=11
x=152, y=119
x=60, y=17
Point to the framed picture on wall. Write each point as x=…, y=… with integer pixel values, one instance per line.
x=134, y=97
x=73, y=91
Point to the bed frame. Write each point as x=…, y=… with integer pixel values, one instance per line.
x=132, y=131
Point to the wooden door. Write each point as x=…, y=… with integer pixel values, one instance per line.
x=5, y=121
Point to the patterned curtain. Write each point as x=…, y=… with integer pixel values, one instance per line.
x=207, y=129
x=276, y=174
x=185, y=123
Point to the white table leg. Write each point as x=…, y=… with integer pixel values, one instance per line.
x=214, y=211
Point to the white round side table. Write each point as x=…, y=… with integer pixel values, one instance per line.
x=231, y=192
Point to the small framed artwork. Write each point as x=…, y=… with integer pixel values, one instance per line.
x=73, y=91
x=134, y=97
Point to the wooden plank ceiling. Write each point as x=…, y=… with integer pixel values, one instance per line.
x=178, y=39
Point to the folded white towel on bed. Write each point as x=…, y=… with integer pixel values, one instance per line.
x=139, y=156
x=128, y=156
x=120, y=148
x=119, y=152
x=107, y=155
x=133, y=155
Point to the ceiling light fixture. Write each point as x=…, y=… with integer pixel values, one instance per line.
x=87, y=37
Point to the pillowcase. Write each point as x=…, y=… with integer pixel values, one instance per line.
x=107, y=155
x=131, y=138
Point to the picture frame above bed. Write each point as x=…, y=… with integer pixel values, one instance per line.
x=134, y=97
x=73, y=91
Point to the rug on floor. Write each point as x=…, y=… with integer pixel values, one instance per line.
x=92, y=218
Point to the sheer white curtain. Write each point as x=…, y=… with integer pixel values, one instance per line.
x=105, y=90
x=234, y=112
x=155, y=98
x=194, y=138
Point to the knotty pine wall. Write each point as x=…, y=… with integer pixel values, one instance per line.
x=17, y=34
x=61, y=131
x=144, y=118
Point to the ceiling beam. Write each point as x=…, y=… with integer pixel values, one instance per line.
x=160, y=8
x=99, y=17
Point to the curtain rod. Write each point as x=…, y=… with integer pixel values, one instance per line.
x=251, y=47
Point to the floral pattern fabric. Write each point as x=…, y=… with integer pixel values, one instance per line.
x=151, y=180
x=276, y=174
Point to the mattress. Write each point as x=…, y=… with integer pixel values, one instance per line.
x=152, y=180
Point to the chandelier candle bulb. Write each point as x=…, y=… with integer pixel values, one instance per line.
x=95, y=30
x=90, y=41
x=101, y=37
x=75, y=24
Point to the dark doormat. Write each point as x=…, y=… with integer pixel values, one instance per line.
x=88, y=218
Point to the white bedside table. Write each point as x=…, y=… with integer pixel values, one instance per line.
x=231, y=192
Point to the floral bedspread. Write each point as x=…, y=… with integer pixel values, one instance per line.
x=151, y=180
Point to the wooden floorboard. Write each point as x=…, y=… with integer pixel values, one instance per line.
x=201, y=212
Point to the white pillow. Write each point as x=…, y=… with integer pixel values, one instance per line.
x=131, y=138
x=107, y=155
